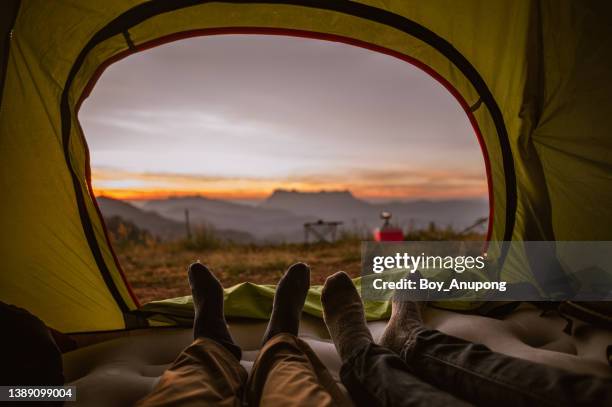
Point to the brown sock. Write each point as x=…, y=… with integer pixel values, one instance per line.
x=343, y=314
x=406, y=316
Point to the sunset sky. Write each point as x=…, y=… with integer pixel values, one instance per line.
x=236, y=117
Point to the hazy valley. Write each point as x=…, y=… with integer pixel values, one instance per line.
x=281, y=216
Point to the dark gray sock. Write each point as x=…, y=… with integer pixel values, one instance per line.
x=344, y=315
x=209, y=321
x=289, y=299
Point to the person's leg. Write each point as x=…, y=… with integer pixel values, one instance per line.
x=30, y=356
x=475, y=373
x=372, y=374
x=287, y=372
x=207, y=372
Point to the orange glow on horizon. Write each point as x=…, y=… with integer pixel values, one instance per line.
x=391, y=185
x=135, y=195
x=415, y=193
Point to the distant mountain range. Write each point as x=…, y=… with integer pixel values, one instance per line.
x=157, y=225
x=343, y=206
x=281, y=216
x=263, y=223
x=147, y=220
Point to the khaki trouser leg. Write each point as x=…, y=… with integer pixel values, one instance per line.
x=204, y=374
x=288, y=373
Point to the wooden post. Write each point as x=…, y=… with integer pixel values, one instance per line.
x=187, y=226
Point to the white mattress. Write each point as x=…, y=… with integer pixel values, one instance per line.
x=120, y=371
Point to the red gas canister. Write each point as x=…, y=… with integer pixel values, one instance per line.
x=387, y=232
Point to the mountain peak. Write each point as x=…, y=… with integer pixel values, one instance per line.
x=327, y=205
x=316, y=194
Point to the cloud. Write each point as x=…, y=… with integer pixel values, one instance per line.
x=252, y=111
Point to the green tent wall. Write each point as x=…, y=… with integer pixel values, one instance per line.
x=533, y=77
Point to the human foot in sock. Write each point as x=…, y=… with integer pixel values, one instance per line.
x=207, y=292
x=406, y=316
x=343, y=314
x=289, y=299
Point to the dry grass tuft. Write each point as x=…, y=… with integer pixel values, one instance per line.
x=158, y=270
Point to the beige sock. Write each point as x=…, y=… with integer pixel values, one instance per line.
x=406, y=316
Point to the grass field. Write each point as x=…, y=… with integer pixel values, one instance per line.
x=158, y=270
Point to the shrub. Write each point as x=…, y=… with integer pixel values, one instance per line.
x=124, y=233
x=203, y=237
x=434, y=232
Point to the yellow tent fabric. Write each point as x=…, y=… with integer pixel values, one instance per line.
x=532, y=75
